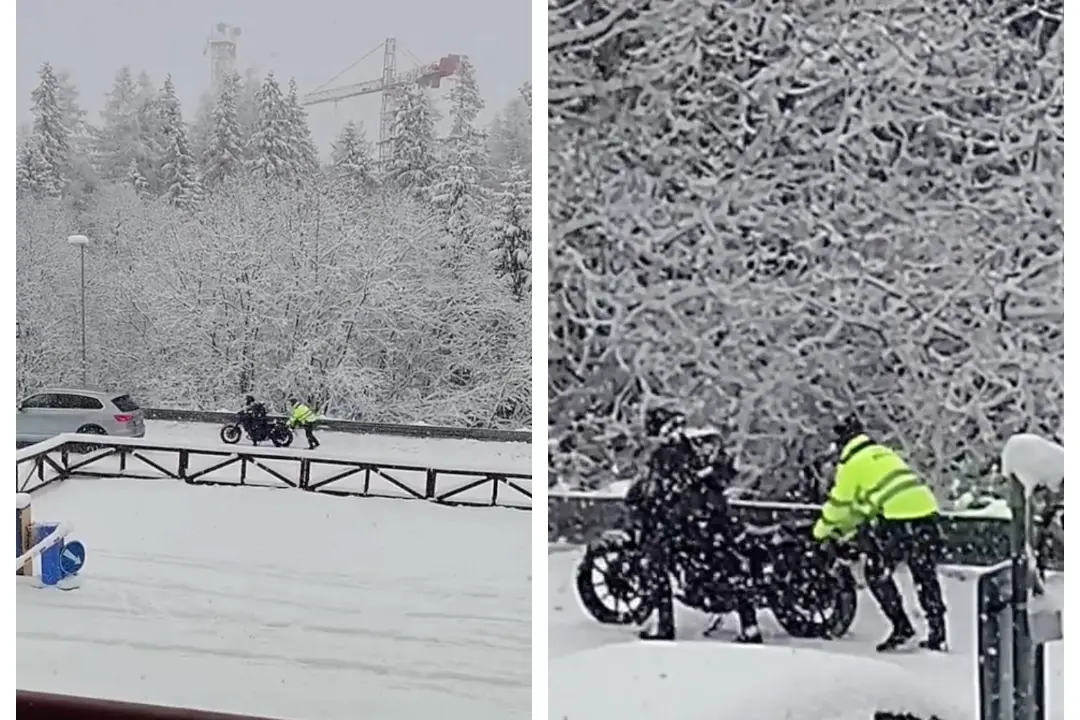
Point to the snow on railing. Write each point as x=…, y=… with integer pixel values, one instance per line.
x=459, y=484
x=62, y=530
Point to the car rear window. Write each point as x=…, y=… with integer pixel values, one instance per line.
x=124, y=403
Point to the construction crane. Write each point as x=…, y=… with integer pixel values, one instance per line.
x=430, y=76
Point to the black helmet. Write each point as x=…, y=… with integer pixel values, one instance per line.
x=660, y=421
x=846, y=428
x=249, y=400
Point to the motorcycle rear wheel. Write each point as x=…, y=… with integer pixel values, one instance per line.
x=615, y=571
x=281, y=436
x=821, y=607
x=231, y=434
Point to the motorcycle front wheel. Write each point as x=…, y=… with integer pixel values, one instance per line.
x=230, y=434
x=611, y=586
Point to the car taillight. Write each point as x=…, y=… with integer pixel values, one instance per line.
x=124, y=418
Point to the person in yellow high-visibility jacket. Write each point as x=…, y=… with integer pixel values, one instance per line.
x=302, y=416
x=873, y=483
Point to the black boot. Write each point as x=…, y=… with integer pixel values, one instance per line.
x=750, y=635
x=656, y=635
x=715, y=624
x=936, y=639
x=901, y=635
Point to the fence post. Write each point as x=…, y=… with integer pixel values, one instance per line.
x=429, y=486
x=304, y=481
x=994, y=643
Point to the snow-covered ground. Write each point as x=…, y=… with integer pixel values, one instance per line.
x=950, y=676
x=695, y=681
x=283, y=603
x=456, y=454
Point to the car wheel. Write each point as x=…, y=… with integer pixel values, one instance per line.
x=88, y=430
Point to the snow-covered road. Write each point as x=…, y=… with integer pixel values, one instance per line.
x=456, y=454
x=283, y=603
x=571, y=631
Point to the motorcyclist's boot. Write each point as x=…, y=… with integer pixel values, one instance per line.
x=715, y=624
x=665, y=615
x=750, y=635
x=902, y=633
x=936, y=638
x=657, y=634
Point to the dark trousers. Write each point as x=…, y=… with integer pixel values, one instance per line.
x=919, y=543
x=657, y=581
x=658, y=588
x=309, y=433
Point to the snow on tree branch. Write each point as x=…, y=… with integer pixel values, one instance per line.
x=225, y=260
x=774, y=215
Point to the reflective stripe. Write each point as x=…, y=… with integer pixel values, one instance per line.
x=839, y=503
x=856, y=446
x=890, y=486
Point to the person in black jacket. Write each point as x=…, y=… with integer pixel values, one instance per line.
x=681, y=500
x=253, y=419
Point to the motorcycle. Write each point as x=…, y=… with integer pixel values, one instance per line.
x=812, y=592
x=273, y=429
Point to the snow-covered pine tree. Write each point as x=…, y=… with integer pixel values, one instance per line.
x=269, y=156
x=353, y=168
x=224, y=156
x=151, y=146
x=82, y=176
x=458, y=192
x=24, y=162
x=247, y=107
x=510, y=139
x=412, y=167
x=464, y=99
x=137, y=181
x=512, y=233
x=52, y=136
x=179, y=174
x=68, y=101
x=305, y=155
x=201, y=128
x=116, y=142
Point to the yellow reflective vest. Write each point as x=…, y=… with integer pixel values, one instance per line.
x=871, y=481
x=301, y=415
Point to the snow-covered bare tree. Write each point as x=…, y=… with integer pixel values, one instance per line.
x=347, y=292
x=773, y=216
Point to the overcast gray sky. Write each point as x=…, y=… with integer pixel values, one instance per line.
x=312, y=40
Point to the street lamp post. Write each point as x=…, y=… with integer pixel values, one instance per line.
x=82, y=241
